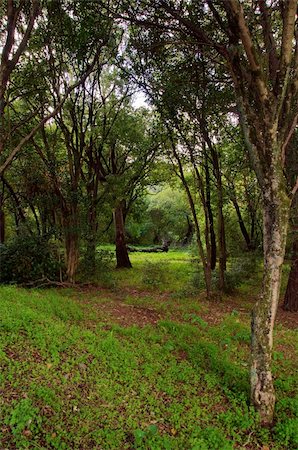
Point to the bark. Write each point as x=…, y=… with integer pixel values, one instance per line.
x=276, y=211
x=249, y=243
x=71, y=233
x=210, y=215
x=189, y=234
x=72, y=255
x=92, y=233
x=2, y=226
x=122, y=257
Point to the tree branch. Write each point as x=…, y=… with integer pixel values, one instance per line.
x=58, y=107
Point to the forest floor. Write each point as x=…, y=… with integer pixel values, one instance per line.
x=139, y=359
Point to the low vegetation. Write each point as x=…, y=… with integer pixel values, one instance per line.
x=135, y=362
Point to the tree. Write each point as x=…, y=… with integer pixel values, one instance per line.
x=265, y=80
x=123, y=156
x=39, y=24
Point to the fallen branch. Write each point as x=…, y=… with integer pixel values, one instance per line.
x=46, y=282
x=164, y=248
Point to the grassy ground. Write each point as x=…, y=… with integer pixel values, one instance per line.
x=141, y=361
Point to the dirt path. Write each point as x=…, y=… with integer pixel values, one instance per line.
x=110, y=304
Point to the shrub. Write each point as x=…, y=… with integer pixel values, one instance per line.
x=240, y=270
x=99, y=271
x=29, y=258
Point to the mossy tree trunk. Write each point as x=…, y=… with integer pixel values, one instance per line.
x=2, y=226
x=276, y=206
x=91, y=234
x=122, y=256
x=71, y=234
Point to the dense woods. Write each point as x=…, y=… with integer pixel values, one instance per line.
x=151, y=126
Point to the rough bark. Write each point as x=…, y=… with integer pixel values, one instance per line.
x=247, y=238
x=91, y=237
x=72, y=255
x=276, y=209
x=210, y=215
x=71, y=233
x=2, y=226
x=122, y=257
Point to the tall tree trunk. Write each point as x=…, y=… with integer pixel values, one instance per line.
x=189, y=233
x=91, y=237
x=2, y=226
x=222, y=250
x=276, y=211
x=210, y=214
x=122, y=257
x=72, y=255
x=205, y=258
x=71, y=233
x=249, y=244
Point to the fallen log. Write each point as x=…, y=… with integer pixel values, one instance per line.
x=163, y=248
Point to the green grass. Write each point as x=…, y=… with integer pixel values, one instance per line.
x=73, y=378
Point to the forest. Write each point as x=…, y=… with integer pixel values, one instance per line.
x=148, y=224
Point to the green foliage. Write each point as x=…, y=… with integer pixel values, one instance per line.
x=180, y=383
x=101, y=270
x=240, y=270
x=24, y=418
x=28, y=258
x=154, y=275
x=163, y=214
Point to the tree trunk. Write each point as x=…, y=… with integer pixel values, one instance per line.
x=72, y=255
x=276, y=211
x=91, y=237
x=249, y=244
x=122, y=257
x=291, y=296
x=210, y=214
x=2, y=226
x=189, y=234
x=222, y=250
x=71, y=233
x=206, y=262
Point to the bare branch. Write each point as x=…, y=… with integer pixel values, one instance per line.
x=288, y=34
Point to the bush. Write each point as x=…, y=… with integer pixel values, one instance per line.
x=29, y=258
x=99, y=271
x=241, y=270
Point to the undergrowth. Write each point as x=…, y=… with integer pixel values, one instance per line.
x=73, y=378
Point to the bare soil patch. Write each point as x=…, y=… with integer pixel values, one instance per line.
x=213, y=311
